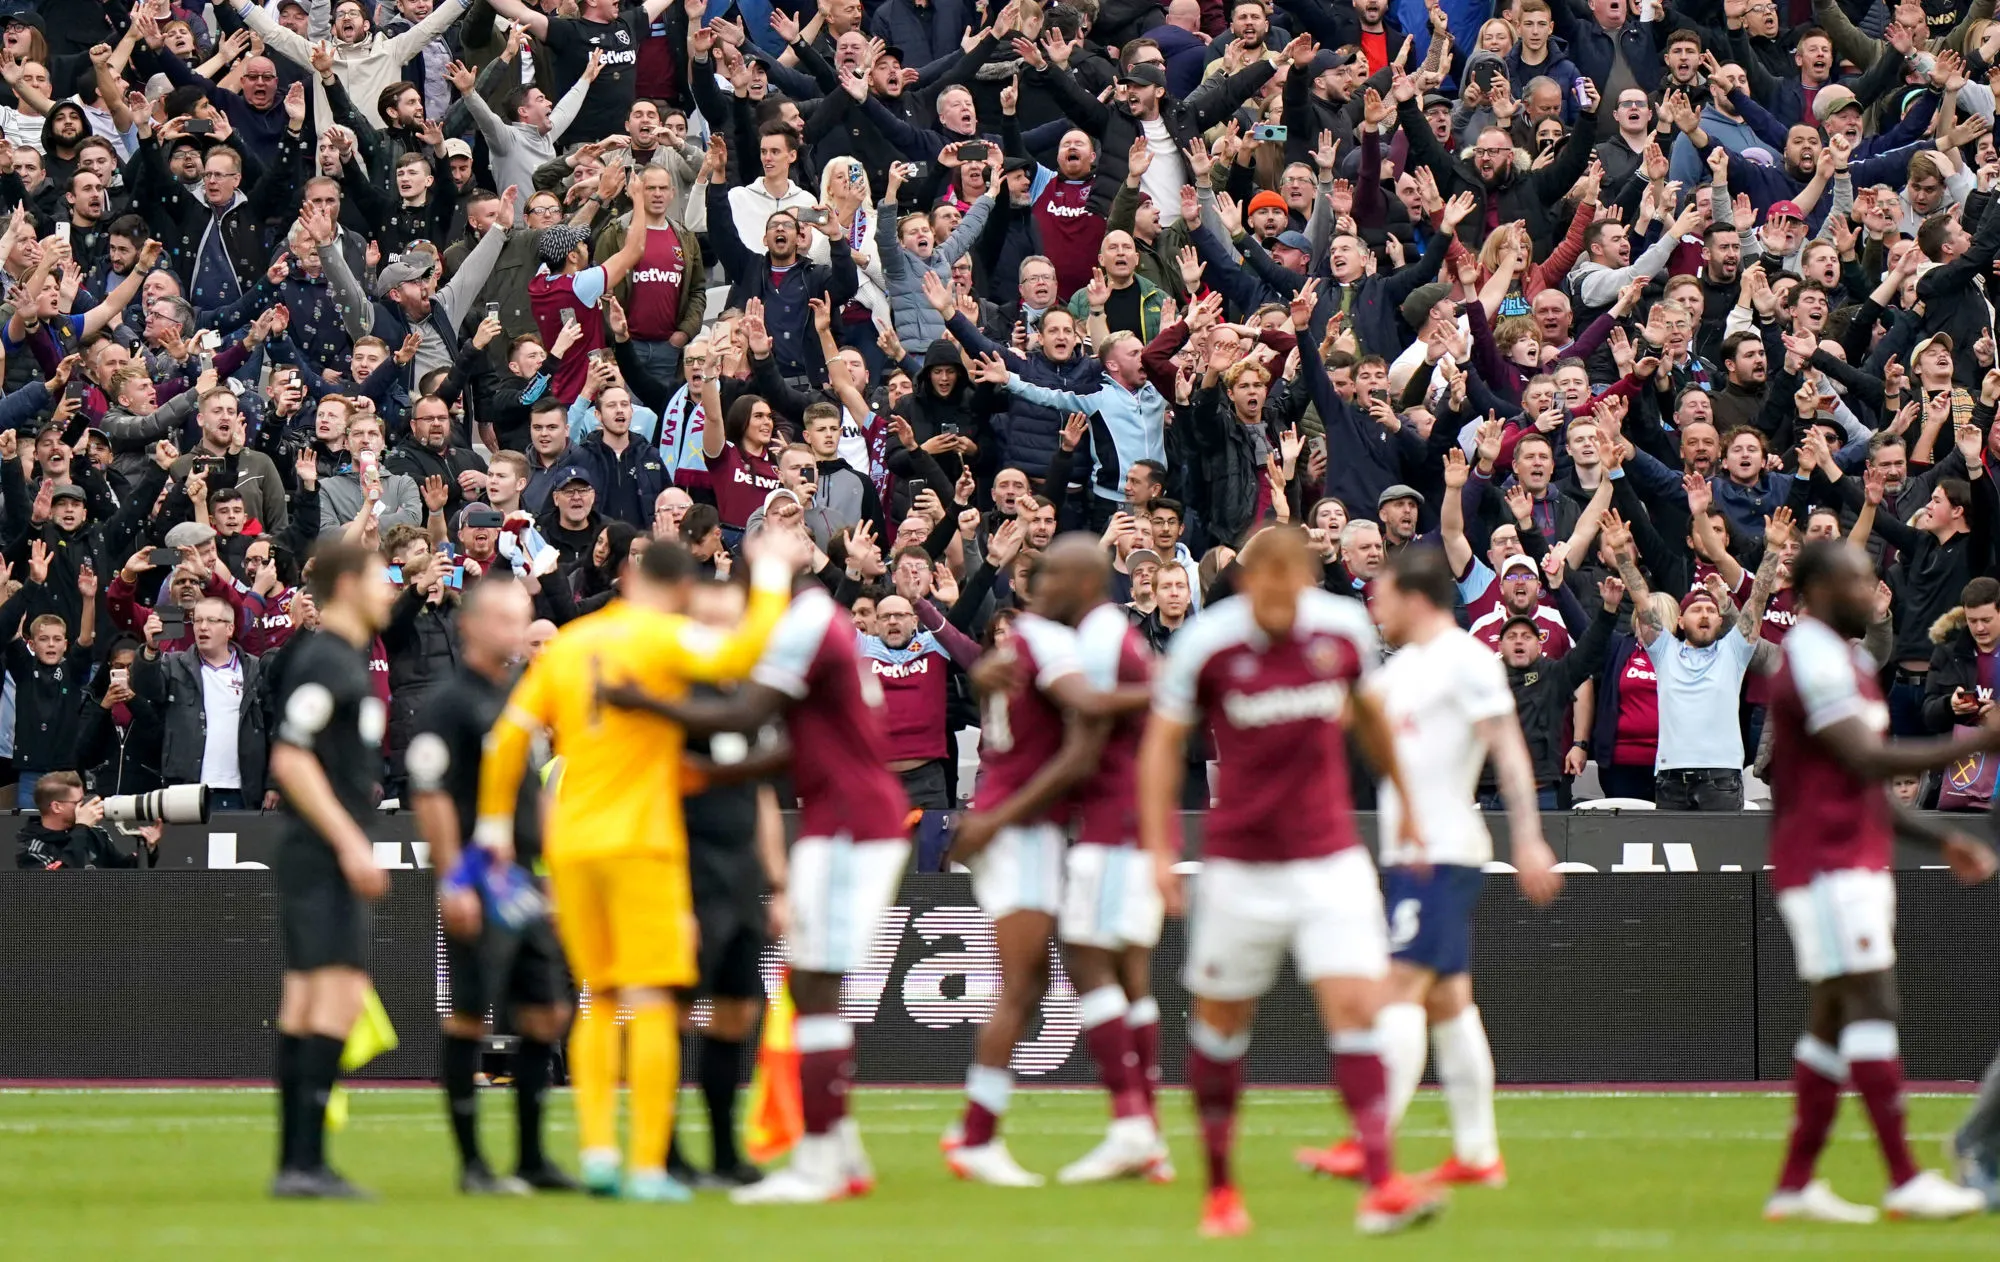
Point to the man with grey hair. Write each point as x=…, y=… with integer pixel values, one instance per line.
x=1361, y=555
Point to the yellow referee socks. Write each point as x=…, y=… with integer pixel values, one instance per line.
x=593, y=1074
x=654, y=1060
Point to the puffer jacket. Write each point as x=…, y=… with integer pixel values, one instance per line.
x=917, y=322
x=1029, y=432
x=1954, y=665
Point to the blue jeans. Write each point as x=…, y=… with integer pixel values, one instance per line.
x=226, y=800
x=663, y=360
x=24, y=792
x=1906, y=709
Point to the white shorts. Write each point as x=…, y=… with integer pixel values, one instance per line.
x=1843, y=922
x=1021, y=869
x=839, y=889
x=1327, y=912
x=1110, y=898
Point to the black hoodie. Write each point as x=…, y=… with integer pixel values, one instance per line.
x=930, y=414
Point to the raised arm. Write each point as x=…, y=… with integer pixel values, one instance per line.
x=1619, y=537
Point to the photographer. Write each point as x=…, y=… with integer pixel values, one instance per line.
x=66, y=834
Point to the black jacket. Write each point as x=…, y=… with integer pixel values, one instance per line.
x=182, y=219
x=173, y=685
x=44, y=850
x=1534, y=196
x=1954, y=665
x=627, y=482
x=421, y=643
x=48, y=702
x=1544, y=688
x=118, y=757
x=786, y=313
x=419, y=462
x=1928, y=576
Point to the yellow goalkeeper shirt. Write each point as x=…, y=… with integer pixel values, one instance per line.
x=620, y=788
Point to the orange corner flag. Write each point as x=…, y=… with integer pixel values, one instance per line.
x=777, y=1115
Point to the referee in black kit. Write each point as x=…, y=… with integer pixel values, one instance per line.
x=736, y=850
x=327, y=762
x=499, y=943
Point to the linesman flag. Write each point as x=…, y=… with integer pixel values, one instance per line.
x=371, y=1036
x=777, y=1110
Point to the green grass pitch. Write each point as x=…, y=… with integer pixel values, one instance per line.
x=145, y=1175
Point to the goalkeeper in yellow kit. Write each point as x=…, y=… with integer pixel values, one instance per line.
x=615, y=845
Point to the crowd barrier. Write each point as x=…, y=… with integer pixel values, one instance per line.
x=1588, y=841
x=1662, y=969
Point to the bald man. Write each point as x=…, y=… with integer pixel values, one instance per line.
x=1127, y=302
x=911, y=653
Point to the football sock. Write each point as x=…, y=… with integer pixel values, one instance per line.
x=461, y=1065
x=288, y=1099
x=826, y=1062
x=319, y=1069
x=1817, y=1072
x=654, y=1052
x=986, y=1093
x=718, y=1067
x=1980, y=1132
x=1143, y=1017
x=1401, y=1028
x=593, y=1074
x=1875, y=1064
x=1465, y=1071
x=1364, y=1087
x=1215, y=1078
x=1102, y=1015
x=532, y=1063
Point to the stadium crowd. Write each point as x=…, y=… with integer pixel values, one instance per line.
x=1570, y=290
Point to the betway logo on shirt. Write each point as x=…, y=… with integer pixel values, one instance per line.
x=904, y=670
x=1285, y=705
x=1063, y=211
x=618, y=56
x=656, y=275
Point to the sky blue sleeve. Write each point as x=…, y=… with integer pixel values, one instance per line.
x=589, y=286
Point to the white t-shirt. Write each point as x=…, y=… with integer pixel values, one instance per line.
x=222, y=703
x=1433, y=694
x=1168, y=173
x=23, y=131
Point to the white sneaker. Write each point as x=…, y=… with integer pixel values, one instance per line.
x=853, y=1158
x=1161, y=1168
x=813, y=1178
x=1128, y=1149
x=1816, y=1202
x=1931, y=1195
x=992, y=1163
